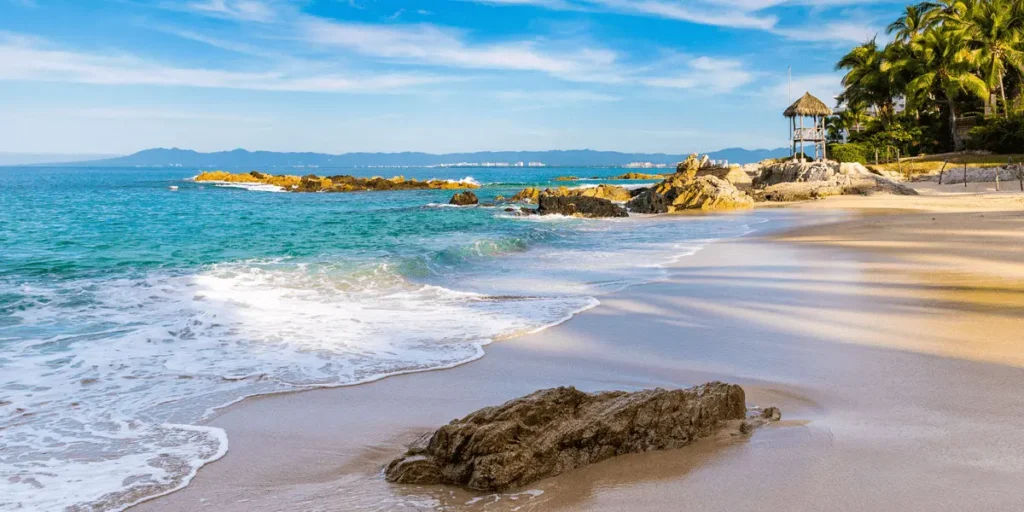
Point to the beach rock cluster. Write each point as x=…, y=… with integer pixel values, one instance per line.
x=680, y=193
x=339, y=183
x=556, y=430
x=798, y=181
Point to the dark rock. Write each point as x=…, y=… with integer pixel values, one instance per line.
x=648, y=201
x=578, y=206
x=464, y=199
x=556, y=430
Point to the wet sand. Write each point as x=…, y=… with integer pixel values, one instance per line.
x=892, y=341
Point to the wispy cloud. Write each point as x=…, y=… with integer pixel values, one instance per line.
x=27, y=59
x=245, y=10
x=427, y=44
x=707, y=74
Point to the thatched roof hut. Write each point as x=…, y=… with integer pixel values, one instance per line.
x=808, y=106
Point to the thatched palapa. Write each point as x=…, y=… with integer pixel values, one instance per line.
x=808, y=106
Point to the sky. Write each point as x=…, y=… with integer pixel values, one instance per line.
x=335, y=76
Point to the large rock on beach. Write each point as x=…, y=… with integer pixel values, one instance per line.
x=578, y=206
x=678, y=193
x=556, y=430
x=798, y=181
x=466, y=198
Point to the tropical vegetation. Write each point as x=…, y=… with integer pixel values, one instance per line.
x=952, y=78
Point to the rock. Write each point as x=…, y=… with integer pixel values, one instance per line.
x=527, y=195
x=556, y=430
x=578, y=206
x=772, y=414
x=567, y=178
x=794, y=181
x=340, y=183
x=735, y=175
x=689, y=167
x=677, y=194
x=639, y=176
x=609, y=192
x=648, y=201
x=464, y=199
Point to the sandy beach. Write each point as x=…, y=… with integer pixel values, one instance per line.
x=889, y=330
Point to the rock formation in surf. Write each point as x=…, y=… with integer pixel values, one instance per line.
x=679, y=193
x=466, y=198
x=556, y=430
x=579, y=206
x=339, y=183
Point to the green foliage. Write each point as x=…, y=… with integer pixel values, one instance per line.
x=851, y=152
x=948, y=57
x=999, y=135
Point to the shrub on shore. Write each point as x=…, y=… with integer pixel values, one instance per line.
x=998, y=135
x=848, y=153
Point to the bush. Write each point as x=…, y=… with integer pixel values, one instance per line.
x=998, y=135
x=848, y=153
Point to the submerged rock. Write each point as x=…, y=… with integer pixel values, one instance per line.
x=578, y=206
x=678, y=193
x=464, y=199
x=556, y=430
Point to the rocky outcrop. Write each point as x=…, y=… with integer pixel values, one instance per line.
x=639, y=176
x=464, y=199
x=556, y=430
x=578, y=206
x=609, y=192
x=733, y=174
x=567, y=178
x=527, y=195
x=340, y=183
x=678, y=193
x=796, y=181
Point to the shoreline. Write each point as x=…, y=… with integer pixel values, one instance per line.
x=527, y=361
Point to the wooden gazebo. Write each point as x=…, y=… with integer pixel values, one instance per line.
x=818, y=111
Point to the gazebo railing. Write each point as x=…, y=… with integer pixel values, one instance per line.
x=809, y=134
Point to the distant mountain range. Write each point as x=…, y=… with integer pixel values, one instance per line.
x=162, y=157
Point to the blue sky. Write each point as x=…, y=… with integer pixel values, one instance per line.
x=117, y=76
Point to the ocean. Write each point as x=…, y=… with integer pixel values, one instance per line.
x=130, y=312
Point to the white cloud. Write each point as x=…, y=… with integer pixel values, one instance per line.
x=27, y=59
x=708, y=74
x=427, y=44
x=244, y=10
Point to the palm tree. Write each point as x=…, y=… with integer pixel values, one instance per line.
x=946, y=62
x=909, y=24
x=944, y=12
x=854, y=117
x=865, y=82
x=995, y=27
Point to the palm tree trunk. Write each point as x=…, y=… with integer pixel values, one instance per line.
x=1002, y=92
x=957, y=143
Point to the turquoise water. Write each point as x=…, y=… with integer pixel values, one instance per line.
x=128, y=311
